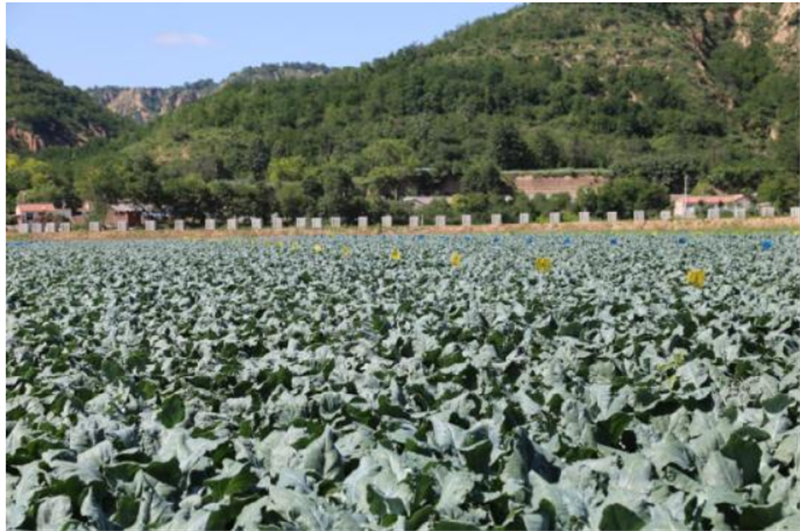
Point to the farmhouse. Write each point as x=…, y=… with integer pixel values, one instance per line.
x=687, y=205
x=128, y=213
x=555, y=182
x=40, y=212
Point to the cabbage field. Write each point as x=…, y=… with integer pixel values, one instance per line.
x=405, y=382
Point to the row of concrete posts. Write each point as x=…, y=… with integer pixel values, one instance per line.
x=386, y=221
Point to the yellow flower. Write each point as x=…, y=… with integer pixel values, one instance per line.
x=318, y=248
x=346, y=251
x=696, y=277
x=543, y=265
x=395, y=254
x=455, y=259
x=295, y=247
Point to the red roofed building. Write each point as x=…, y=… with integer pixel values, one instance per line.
x=683, y=205
x=40, y=212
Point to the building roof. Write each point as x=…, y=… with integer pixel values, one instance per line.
x=707, y=199
x=421, y=199
x=23, y=208
x=122, y=208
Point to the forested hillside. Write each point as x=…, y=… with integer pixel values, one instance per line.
x=655, y=92
x=42, y=112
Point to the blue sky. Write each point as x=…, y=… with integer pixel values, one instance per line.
x=170, y=44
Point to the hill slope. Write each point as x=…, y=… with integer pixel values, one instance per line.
x=41, y=111
x=145, y=104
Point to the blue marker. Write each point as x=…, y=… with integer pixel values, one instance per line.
x=529, y=240
x=567, y=241
x=614, y=241
x=496, y=239
x=682, y=240
x=766, y=245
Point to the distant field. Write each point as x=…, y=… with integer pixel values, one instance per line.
x=414, y=382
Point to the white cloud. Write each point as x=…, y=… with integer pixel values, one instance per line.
x=174, y=38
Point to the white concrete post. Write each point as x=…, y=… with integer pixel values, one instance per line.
x=665, y=215
x=497, y=219
x=300, y=223
x=94, y=226
x=767, y=212
x=638, y=216
x=336, y=222
x=211, y=224
x=555, y=218
x=316, y=223
x=64, y=227
x=23, y=228
x=524, y=218
x=277, y=222
x=386, y=222
x=122, y=226
x=440, y=221
x=256, y=223
x=712, y=213
x=584, y=217
x=363, y=222
x=149, y=225
x=739, y=213
x=180, y=225
x=611, y=217
x=413, y=222
x=466, y=220
x=50, y=227
x=36, y=228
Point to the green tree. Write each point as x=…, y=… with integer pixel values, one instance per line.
x=258, y=159
x=291, y=199
x=545, y=150
x=287, y=169
x=339, y=192
x=781, y=189
x=509, y=149
x=483, y=176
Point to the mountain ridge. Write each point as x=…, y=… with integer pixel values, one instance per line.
x=145, y=104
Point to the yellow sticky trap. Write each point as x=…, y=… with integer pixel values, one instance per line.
x=455, y=259
x=395, y=254
x=318, y=248
x=346, y=251
x=696, y=277
x=543, y=265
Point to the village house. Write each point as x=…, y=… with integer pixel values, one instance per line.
x=684, y=206
x=127, y=212
x=40, y=213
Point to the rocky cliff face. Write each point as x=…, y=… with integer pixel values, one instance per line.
x=144, y=104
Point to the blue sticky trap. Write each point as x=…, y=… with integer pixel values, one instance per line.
x=614, y=241
x=496, y=239
x=766, y=245
x=567, y=241
x=468, y=237
x=682, y=240
x=529, y=240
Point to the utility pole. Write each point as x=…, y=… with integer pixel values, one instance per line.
x=685, y=194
